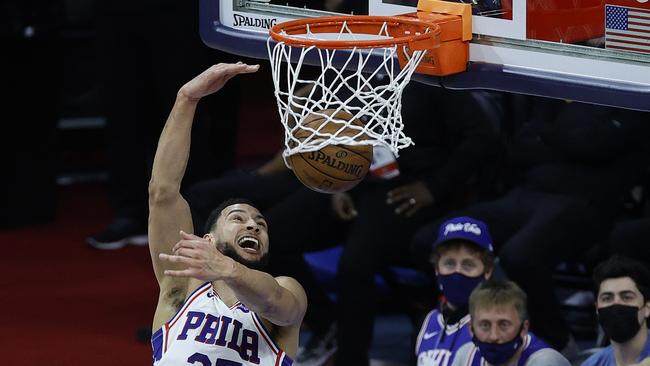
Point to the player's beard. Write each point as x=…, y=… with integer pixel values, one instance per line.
x=229, y=251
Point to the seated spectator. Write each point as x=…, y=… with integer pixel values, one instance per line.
x=623, y=308
x=570, y=166
x=499, y=328
x=462, y=258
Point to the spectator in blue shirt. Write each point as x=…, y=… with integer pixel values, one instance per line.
x=623, y=307
x=499, y=328
x=462, y=258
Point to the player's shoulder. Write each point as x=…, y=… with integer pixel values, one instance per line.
x=286, y=280
x=291, y=284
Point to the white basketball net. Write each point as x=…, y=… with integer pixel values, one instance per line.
x=370, y=93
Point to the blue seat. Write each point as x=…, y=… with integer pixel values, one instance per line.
x=324, y=264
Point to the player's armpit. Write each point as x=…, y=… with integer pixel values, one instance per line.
x=175, y=290
x=172, y=296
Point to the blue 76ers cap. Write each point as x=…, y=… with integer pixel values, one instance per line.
x=465, y=228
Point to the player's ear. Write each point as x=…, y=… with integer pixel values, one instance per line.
x=208, y=236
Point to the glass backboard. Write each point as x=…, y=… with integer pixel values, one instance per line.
x=595, y=51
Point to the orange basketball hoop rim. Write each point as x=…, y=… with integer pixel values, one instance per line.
x=442, y=28
x=418, y=34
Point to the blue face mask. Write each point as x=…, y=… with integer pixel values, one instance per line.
x=497, y=354
x=457, y=287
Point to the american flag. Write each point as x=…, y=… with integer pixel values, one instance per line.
x=627, y=28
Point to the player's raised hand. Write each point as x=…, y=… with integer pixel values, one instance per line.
x=213, y=79
x=203, y=260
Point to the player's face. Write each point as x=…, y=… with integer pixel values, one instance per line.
x=461, y=260
x=622, y=291
x=497, y=324
x=242, y=230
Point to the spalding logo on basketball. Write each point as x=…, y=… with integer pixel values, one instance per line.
x=334, y=168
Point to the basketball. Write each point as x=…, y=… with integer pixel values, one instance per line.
x=334, y=168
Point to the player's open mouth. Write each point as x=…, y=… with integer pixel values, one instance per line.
x=249, y=244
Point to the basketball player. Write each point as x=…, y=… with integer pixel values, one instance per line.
x=462, y=258
x=499, y=328
x=215, y=306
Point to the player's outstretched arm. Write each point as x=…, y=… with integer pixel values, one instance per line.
x=168, y=211
x=281, y=300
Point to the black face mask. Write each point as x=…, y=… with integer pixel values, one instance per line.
x=620, y=322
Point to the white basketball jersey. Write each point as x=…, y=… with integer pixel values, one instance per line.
x=206, y=332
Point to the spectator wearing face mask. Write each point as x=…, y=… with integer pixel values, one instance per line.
x=623, y=308
x=499, y=329
x=462, y=258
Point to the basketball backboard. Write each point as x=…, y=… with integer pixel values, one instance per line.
x=596, y=51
